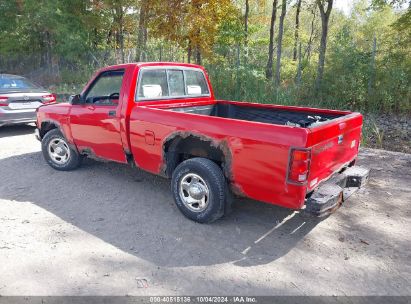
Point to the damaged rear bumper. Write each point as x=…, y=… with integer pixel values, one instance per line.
x=331, y=195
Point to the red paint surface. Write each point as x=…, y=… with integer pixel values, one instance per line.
x=260, y=152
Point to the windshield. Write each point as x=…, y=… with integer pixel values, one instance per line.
x=8, y=83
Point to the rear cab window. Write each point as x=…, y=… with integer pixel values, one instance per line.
x=157, y=83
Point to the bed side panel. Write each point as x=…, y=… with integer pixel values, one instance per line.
x=259, y=152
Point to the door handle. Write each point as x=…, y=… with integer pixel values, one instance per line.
x=111, y=113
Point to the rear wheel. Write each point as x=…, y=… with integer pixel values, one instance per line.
x=58, y=153
x=199, y=190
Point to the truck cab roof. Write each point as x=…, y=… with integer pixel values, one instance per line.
x=151, y=64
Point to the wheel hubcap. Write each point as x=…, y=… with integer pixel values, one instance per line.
x=194, y=192
x=59, y=151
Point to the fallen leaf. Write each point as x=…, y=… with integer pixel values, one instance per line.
x=364, y=242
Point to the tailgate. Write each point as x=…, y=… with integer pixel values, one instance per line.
x=333, y=145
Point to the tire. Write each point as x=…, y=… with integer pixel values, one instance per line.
x=70, y=159
x=201, y=176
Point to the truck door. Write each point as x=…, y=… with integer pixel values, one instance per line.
x=95, y=124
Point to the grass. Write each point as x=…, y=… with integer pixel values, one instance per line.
x=249, y=84
x=378, y=134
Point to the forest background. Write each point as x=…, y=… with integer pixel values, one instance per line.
x=292, y=52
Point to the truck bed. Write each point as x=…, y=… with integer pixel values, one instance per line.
x=274, y=116
x=332, y=136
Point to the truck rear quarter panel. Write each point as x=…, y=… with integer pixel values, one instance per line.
x=259, y=152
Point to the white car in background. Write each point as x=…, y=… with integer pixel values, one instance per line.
x=19, y=99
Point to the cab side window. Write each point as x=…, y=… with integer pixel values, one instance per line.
x=106, y=89
x=196, y=83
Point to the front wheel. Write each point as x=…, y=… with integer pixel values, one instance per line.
x=199, y=190
x=58, y=153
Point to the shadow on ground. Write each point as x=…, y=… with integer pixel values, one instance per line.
x=17, y=130
x=134, y=211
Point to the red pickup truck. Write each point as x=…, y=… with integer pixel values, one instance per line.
x=164, y=118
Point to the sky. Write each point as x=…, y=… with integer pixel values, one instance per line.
x=347, y=5
x=344, y=5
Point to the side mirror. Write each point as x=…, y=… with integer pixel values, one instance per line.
x=76, y=99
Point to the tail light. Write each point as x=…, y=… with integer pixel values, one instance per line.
x=50, y=98
x=3, y=101
x=299, y=166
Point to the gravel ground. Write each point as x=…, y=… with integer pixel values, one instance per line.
x=107, y=229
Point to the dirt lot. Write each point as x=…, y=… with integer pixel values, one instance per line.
x=106, y=229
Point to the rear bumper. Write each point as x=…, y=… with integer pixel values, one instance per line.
x=9, y=117
x=331, y=195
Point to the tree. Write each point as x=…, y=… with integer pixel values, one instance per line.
x=10, y=27
x=113, y=22
x=118, y=11
x=313, y=10
x=325, y=17
x=246, y=15
x=280, y=43
x=269, y=68
x=142, y=30
x=380, y=3
x=119, y=20
x=403, y=24
x=50, y=30
x=297, y=27
x=193, y=25
x=299, y=67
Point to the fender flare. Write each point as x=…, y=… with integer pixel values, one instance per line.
x=172, y=141
x=59, y=127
